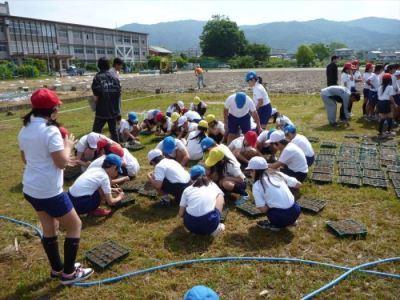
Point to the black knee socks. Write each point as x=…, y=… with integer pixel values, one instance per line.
x=71, y=246
x=381, y=124
x=240, y=188
x=390, y=124
x=50, y=245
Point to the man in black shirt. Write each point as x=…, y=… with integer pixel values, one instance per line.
x=332, y=71
x=107, y=91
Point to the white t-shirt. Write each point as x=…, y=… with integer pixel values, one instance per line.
x=192, y=126
x=248, y=106
x=277, y=195
x=192, y=115
x=179, y=146
x=283, y=120
x=263, y=137
x=395, y=84
x=169, y=124
x=219, y=128
x=259, y=92
x=304, y=144
x=194, y=146
x=228, y=153
x=124, y=125
x=98, y=162
x=171, y=109
x=366, y=76
x=90, y=181
x=237, y=144
x=42, y=179
x=150, y=114
x=114, y=72
x=389, y=91
x=171, y=170
x=131, y=163
x=375, y=82
x=346, y=80
x=200, y=200
x=82, y=144
x=293, y=157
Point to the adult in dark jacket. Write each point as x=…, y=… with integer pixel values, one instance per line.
x=107, y=91
x=332, y=71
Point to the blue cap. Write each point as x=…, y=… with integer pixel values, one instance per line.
x=240, y=99
x=250, y=75
x=168, y=145
x=207, y=143
x=115, y=160
x=289, y=129
x=132, y=116
x=200, y=292
x=197, y=171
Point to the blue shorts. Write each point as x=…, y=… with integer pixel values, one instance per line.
x=372, y=98
x=384, y=106
x=300, y=176
x=174, y=189
x=264, y=113
x=283, y=217
x=85, y=204
x=397, y=99
x=56, y=206
x=366, y=94
x=234, y=124
x=203, y=225
x=310, y=160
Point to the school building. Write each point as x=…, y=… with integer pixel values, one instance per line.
x=60, y=43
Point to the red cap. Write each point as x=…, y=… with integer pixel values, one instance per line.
x=368, y=66
x=355, y=62
x=251, y=138
x=117, y=149
x=349, y=66
x=64, y=132
x=159, y=117
x=101, y=144
x=387, y=76
x=44, y=98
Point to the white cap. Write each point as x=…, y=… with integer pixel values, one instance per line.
x=181, y=121
x=92, y=139
x=153, y=154
x=257, y=163
x=276, y=136
x=181, y=104
x=397, y=73
x=273, y=111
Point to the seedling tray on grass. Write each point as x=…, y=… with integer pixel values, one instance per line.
x=71, y=173
x=312, y=205
x=313, y=139
x=347, y=228
x=350, y=180
x=393, y=168
x=325, y=158
x=374, y=174
x=129, y=199
x=323, y=164
x=393, y=175
x=248, y=208
x=386, y=163
x=347, y=158
x=352, y=136
x=370, y=166
x=148, y=190
x=397, y=191
x=396, y=183
x=325, y=170
x=133, y=146
x=322, y=178
x=350, y=145
x=348, y=165
x=328, y=151
x=379, y=183
x=327, y=144
x=224, y=215
x=104, y=255
x=350, y=172
x=132, y=186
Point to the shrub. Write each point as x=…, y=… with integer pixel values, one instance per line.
x=27, y=71
x=91, y=67
x=5, y=72
x=242, y=62
x=154, y=62
x=40, y=64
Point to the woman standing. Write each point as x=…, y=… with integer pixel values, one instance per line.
x=260, y=97
x=45, y=155
x=366, y=76
x=385, y=101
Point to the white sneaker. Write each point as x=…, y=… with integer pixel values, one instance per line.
x=220, y=228
x=79, y=275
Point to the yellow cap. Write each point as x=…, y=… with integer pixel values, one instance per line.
x=196, y=99
x=203, y=123
x=210, y=118
x=214, y=157
x=175, y=116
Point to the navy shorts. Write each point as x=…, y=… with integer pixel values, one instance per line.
x=175, y=189
x=300, y=176
x=264, y=113
x=366, y=94
x=203, y=225
x=397, y=99
x=384, y=106
x=236, y=124
x=283, y=217
x=56, y=206
x=310, y=160
x=372, y=98
x=217, y=137
x=85, y=204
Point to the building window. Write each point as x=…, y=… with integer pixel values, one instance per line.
x=89, y=50
x=77, y=35
x=144, y=53
x=78, y=50
x=89, y=36
x=99, y=37
x=63, y=34
x=3, y=47
x=64, y=49
x=127, y=39
x=108, y=37
x=110, y=51
x=136, y=52
x=119, y=39
x=135, y=41
x=101, y=51
x=143, y=41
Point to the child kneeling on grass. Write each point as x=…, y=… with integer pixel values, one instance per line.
x=94, y=185
x=272, y=195
x=201, y=204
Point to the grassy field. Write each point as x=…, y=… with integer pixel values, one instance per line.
x=156, y=236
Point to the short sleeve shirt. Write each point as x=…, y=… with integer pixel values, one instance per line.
x=90, y=181
x=259, y=92
x=233, y=110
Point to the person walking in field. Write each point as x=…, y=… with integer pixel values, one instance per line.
x=332, y=71
x=198, y=72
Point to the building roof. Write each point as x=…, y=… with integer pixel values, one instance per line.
x=73, y=24
x=344, y=49
x=159, y=50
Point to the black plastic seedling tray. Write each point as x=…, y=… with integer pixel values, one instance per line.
x=322, y=178
x=328, y=144
x=328, y=151
x=350, y=145
x=393, y=168
x=352, y=136
x=379, y=183
x=350, y=180
x=224, y=214
x=348, y=165
x=397, y=191
x=132, y=186
x=312, y=205
x=396, y=183
x=385, y=162
x=71, y=173
x=313, y=139
x=321, y=157
x=249, y=209
x=347, y=158
x=347, y=228
x=104, y=255
x=393, y=175
x=350, y=172
x=374, y=174
x=324, y=163
x=370, y=166
x=148, y=190
x=129, y=199
x=133, y=146
x=325, y=170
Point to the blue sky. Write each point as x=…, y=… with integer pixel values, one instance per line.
x=112, y=13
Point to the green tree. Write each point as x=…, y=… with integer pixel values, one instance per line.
x=336, y=45
x=240, y=62
x=154, y=62
x=320, y=50
x=222, y=38
x=304, y=56
x=258, y=51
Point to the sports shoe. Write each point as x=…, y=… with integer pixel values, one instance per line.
x=220, y=228
x=79, y=275
x=242, y=200
x=54, y=274
x=265, y=224
x=100, y=212
x=165, y=201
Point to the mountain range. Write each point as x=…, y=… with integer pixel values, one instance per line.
x=362, y=34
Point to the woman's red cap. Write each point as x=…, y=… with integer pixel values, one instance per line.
x=44, y=99
x=251, y=138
